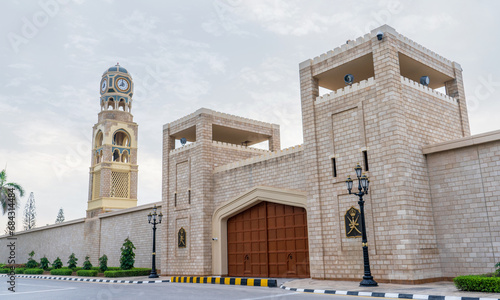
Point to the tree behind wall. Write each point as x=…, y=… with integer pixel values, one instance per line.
x=30, y=213
x=60, y=216
x=4, y=191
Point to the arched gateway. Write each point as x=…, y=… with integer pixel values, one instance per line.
x=262, y=233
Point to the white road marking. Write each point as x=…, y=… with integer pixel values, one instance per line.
x=272, y=296
x=43, y=291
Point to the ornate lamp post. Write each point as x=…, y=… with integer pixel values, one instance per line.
x=152, y=216
x=363, y=184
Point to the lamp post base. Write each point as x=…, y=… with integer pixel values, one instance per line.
x=368, y=281
x=153, y=275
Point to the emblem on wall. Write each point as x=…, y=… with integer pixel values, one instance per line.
x=181, y=238
x=352, y=226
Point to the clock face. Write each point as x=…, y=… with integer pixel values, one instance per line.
x=122, y=84
x=104, y=85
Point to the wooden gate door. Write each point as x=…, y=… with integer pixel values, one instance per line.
x=268, y=240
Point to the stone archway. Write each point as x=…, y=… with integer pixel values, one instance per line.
x=238, y=205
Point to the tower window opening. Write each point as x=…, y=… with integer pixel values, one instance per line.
x=100, y=155
x=175, y=199
x=116, y=155
x=121, y=138
x=334, y=167
x=97, y=158
x=122, y=104
x=111, y=104
x=189, y=196
x=125, y=157
x=98, y=139
x=365, y=159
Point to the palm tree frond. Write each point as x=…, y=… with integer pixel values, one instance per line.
x=17, y=187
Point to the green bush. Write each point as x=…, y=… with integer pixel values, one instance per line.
x=44, y=263
x=87, y=265
x=72, y=261
x=87, y=273
x=65, y=272
x=33, y=271
x=2, y=266
x=498, y=269
x=4, y=271
x=19, y=270
x=114, y=269
x=127, y=273
x=31, y=264
x=127, y=259
x=57, y=264
x=103, y=263
x=477, y=283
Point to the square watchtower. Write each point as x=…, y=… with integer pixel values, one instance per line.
x=210, y=139
x=381, y=120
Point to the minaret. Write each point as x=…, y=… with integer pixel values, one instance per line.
x=113, y=168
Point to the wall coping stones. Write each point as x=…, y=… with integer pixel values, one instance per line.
x=130, y=210
x=66, y=223
x=472, y=140
x=256, y=159
x=427, y=90
x=346, y=90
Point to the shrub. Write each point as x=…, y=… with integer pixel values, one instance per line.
x=477, y=283
x=57, y=264
x=72, y=261
x=87, y=265
x=127, y=258
x=86, y=273
x=498, y=268
x=2, y=266
x=33, y=271
x=44, y=263
x=114, y=269
x=4, y=271
x=31, y=264
x=66, y=272
x=103, y=263
x=127, y=273
x=19, y=270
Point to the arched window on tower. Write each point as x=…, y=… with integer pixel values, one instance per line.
x=122, y=104
x=111, y=104
x=121, y=138
x=116, y=155
x=98, y=139
x=125, y=156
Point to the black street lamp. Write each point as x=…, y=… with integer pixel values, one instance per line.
x=153, y=216
x=363, y=183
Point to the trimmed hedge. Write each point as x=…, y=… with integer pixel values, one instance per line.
x=477, y=283
x=4, y=271
x=33, y=271
x=19, y=270
x=127, y=273
x=66, y=272
x=113, y=269
x=86, y=273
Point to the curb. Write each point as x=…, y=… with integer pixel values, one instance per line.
x=227, y=280
x=90, y=280
x=384, y=295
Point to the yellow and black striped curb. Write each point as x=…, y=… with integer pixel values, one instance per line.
x=227, y=280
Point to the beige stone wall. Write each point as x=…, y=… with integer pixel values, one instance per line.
x=132, y=223
x=95, y=237
x=465, y=199
x=51, y=241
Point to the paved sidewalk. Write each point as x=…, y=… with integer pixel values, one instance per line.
x=417, y=291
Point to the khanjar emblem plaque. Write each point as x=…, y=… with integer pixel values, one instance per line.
x=352, y=225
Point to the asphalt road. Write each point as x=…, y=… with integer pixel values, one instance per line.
x=41, y=289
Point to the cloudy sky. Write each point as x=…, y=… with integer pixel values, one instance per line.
x=234, y=56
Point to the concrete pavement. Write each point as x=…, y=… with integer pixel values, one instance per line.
x=428, y=291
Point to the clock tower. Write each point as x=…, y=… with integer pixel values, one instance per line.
x=113, y=167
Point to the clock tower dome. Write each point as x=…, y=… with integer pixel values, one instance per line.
x=113, y=167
